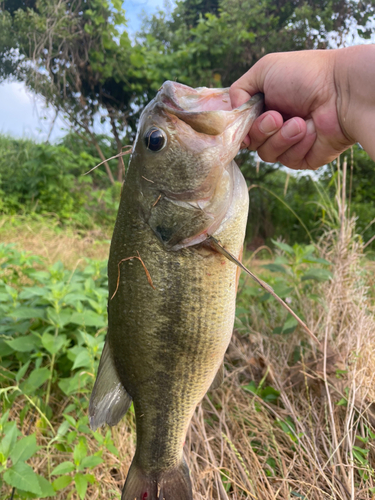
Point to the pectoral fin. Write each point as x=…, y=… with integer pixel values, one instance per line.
x=109, y=401
x=220, y=249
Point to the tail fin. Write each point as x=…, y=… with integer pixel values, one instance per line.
x=173, y=484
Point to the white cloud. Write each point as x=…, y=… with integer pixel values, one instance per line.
x=23, y=114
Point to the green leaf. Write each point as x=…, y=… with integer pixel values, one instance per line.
x=46, y=487
x=83, y=359
x=359, y=456
x=270, y=394
x=317, y=274
x=9, y=439
x=80, y=451
x=59, y=319
x=73, y=298
x=315, y=260
x=61, y=482
x=282, y=289
x=88, y=318
x=252, y=387
x=72, y=421
x=91, y=461
x=27, y=313
x=5, y=349
x=283, y=246
x=24, y=449
x=63, y=429
x=52, y=343
x=21, y=372
x=81, y=485
x=63, y=468
x=290, y=325
x=26, y=343
x=275, y=268
x=23, y=477
x=32, y=291
x=36, y=379
x=74, y=384
x=342, y=402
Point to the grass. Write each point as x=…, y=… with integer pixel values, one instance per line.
x=44, y=237
x=292, y=420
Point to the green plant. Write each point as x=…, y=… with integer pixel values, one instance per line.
x=51, y=336
x=292, y=275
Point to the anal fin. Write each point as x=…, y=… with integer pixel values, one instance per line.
x=109, y=401
x=219, y=377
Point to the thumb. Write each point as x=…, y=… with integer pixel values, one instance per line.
x=238, y=96
x=248, y=85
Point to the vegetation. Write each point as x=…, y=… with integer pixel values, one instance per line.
x=292, y=420
x=49, y=180
x=285, y=406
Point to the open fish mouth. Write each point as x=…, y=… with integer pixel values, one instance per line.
x=206, y=110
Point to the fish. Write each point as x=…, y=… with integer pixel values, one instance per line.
x=171, y=292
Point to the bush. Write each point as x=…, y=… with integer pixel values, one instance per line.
x=48, y=180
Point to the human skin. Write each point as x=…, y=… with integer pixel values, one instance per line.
x=318, y=103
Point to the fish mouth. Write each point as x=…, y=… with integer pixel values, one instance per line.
x=207, y=110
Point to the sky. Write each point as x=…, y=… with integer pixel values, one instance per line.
x=22, y=114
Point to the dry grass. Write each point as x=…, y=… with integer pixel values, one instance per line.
x=46, y=239
x=242, y=435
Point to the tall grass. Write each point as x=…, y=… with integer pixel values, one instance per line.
x=315, y=439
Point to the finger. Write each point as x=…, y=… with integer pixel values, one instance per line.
x=238, y=96
x=264, y=126
x=293, y=131
x=249, y=84
x=295, y=156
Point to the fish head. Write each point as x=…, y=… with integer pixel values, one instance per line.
x=186, y=141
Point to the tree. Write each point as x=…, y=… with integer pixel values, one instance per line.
x=206, y=42
x=78, y=55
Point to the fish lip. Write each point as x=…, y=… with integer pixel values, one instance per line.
x=168, y=96
x=176, y=96
x=206, y=110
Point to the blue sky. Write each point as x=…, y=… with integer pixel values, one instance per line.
x=23, y=114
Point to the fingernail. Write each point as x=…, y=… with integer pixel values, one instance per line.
x=267, y=125
x=291, y=129
x=310, y=127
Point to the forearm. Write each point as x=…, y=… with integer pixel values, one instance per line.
x=355, y=83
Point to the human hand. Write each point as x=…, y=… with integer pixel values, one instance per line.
x=301, y=127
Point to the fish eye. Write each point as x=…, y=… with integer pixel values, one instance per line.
x=155, y=139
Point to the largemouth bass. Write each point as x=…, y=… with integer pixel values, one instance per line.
x=172, y=296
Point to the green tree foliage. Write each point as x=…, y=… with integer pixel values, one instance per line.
x=48, y=180
x=207, y=42
x=80, y=58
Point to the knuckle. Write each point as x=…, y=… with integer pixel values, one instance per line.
x=267, y=156
x=290, y=161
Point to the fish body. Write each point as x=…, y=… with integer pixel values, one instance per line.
x=172, y=304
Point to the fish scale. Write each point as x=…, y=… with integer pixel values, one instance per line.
x=167, y=339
